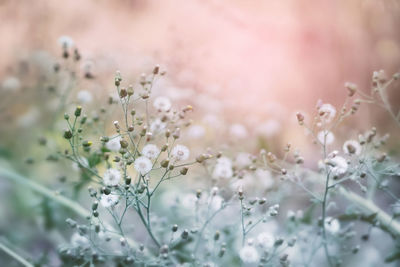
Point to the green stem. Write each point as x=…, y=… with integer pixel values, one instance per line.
x=15, y=255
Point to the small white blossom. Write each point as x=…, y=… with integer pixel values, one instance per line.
x=352, y=147
x=180, y=152
x=108, y=200
x=114, y=143
x=238, y=131
x=162, y=103
x=339, y=165
x=157, y=126
x=112, y=177
x=79, y=241
x=143, y=165
x=248, y=254
x=265, y=240
x=66, y=41
x=327, y=112
x=150, y=151
x=84, y=96
x=222, y=171
x=326, y=137
x=243, y=160
x=332, y=225
x=265, y=177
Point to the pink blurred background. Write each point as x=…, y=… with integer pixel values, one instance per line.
x=247, y=53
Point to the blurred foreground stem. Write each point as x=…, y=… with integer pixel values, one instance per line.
x=14, y=254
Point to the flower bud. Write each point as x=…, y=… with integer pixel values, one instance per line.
x=184, y=171
x=78, y=111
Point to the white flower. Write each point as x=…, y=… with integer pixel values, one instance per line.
x=143, y=165
x=11, y=84
x=265, y=177
x=84, y=96
x=180, y=152
x=66, y=41
x=332, y=225
x=325, y=137
x=150, y=151
x=243, y=159
x=162, y=103
x=108, y=200
x=327, y=112
x=265, y=240
x=83, y=162
x=339, y=165
x=79, y=241
x=113, y=144
x=224, y=161
x=238, y=131
x=352, y=147
x=248, y=254
x=157, y=126
x=112, y=177
x=222, y=171
x=196, y=131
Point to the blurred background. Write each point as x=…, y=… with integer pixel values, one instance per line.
x=249, y=54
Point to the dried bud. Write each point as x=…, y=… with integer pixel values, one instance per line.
x=351, y=88
x=123, y=93
x=300, y=118
x=67, y=134
x=184, y=171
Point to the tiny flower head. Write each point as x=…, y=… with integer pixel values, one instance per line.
x=143, y=165
x=332, y=225
x=265, y=240
x=157, y=126
x=222, y=171
x=180, y=152
x=249, y=254
x=150, y=151
x=114, y=143
x=78, y=240
x=112, y=177
x=338, y=165
x=352, y=147
x=327, y=112
x=108, y=200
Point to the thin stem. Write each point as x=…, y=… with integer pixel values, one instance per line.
x=15, y=255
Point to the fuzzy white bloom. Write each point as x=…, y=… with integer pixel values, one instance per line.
x=114, y=143
x=180, y=152
x=327, y=112
x=150, y=151
x=249, y=254
x=143, y=165
x=65, y=41
x=238, y=131
x=11, y=84
x=325, y=137
x=84, y=96
x=112, y=177
x=243, y=159
x=108, y=200
x=352, y=147
x=196, y=131
x=83, y=162
x=224, y=161
x=157, y=126
x=265, y=177
x=162, y=103
x=265, y=240
x=332, y=225
x=222, y=171
x=340, y=165
x=79, y=241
